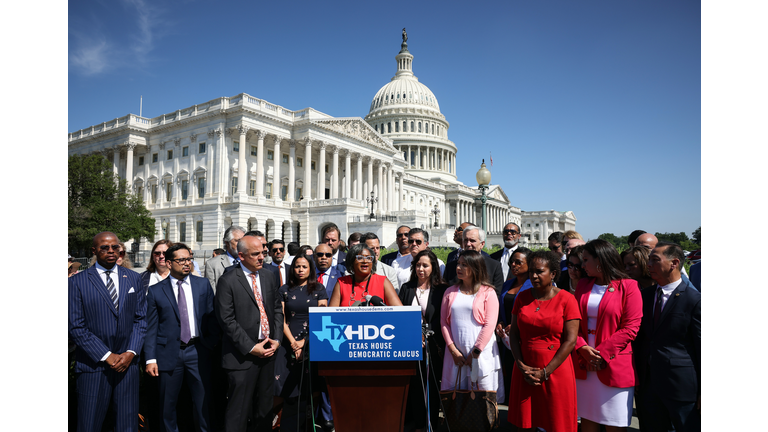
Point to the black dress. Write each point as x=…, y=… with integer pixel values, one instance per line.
x=288, y=371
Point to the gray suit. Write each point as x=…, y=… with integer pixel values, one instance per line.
x=391, y=274
x=214, y=268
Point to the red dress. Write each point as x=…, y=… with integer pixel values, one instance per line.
x=552, y=405
x=375, y=288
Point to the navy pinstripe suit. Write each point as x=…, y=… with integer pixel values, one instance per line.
x=97, y=328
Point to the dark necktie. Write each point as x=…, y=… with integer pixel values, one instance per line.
x=657, y=307
x=186, y=334
x=236, y=262
x=111, y=288
x=280, y=272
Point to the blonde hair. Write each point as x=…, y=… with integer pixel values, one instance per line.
x=571, y=234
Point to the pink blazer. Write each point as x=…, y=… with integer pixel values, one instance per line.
x=618, y=320
x=485, y=309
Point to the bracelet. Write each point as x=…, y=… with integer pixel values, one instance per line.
x=546, y=376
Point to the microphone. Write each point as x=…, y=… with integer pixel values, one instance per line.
x=374, y=300
x=358, y=303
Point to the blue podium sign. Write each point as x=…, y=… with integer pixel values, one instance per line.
x=365, y=333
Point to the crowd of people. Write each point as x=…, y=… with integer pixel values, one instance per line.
x=569, y=336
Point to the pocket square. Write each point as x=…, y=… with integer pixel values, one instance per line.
x=130, y=290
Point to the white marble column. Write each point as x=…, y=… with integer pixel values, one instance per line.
x=129, y=146
x=369, y=185
x=379, y=184
x=335, y=173
x=418, y=157
x=291, y=172
x=277, y=186
x=383, y=189
x=321, y=173
x=259, y=162
x=116, y=159
x=348, y=175
x=359, y=179
x=409, y=159
x=307, y=190
x=242, y=164
x=390, y=189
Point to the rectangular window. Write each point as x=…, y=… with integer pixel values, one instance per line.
x=235, y=146
x=184, y=151
x=141, y=160
x=170, y=154
x=182, y=231
x=199, y=231
x=326, y=168
x=140, y=193
x=299, y=162
x=298, y=194
x=168, y=191
x=201, y=187
x=154, y=157
x=252, y=188
x=270, y=155
x=283, y=192
x=313, y=165
x=201, y=148
x=234, y=185
x=254, y=151
x=285, y=158
x=153, y=193
x=184, y=189
x=269, y=190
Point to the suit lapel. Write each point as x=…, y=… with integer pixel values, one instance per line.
x=609, y=296
x=671, y=302
x=123, y=286
x=199, y=294
x=245, y=282
x=168, y=290
x=101, y=288
x=583, y=304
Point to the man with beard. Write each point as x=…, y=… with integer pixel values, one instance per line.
x=511, y=234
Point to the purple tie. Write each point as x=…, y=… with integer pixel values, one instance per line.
x=186, y=334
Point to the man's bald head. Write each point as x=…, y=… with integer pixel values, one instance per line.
x=102, y=235
x=648, y=240
x=106, y=247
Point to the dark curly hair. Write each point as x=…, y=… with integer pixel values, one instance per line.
x=551, y=258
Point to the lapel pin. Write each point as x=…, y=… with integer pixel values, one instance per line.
x=610, y=289
x=677, y=295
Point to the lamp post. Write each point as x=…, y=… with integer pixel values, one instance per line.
x=483, y=180
x=165, y=229
x=372, y=200
x=436, y=212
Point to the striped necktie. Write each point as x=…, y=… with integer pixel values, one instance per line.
x=111, y=288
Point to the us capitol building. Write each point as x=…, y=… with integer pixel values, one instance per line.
x=245, y=161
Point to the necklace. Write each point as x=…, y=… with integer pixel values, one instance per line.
x=421, y=292
x=538, y=302
x=352, y=295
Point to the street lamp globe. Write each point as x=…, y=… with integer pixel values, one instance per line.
x=483, y=176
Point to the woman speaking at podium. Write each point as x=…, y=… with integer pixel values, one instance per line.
x=469, y=313
x=353, y=290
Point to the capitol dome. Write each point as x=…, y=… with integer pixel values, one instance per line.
x=407, y=112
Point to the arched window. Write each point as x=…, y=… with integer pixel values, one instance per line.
x=433, y=128
x=389, y=127
x=376, y=127
x=405, y=126
x=411, y=126
x=398, y=95
x=419, y=127
x=397, y=126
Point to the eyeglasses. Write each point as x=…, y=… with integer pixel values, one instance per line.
x=105, y=248
x=510, y=231
x=417, y=241
x=182, y=260
x=574, y=266
x=157, y=253
x=403, y=234
x=278, y=250
x=459, y=229
x=363, y=258
x=517, y=262
x=324, y=254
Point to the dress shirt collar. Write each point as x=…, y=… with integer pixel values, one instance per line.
x=248, y=272
x=175, y=282
x=667, y=289
x=101, y=269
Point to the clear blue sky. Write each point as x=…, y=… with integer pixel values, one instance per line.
x=593, y=107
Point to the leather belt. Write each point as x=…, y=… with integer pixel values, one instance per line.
x=188, y=344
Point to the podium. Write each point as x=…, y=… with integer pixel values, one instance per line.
x=367, y=356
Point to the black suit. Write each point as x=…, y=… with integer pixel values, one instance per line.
x=454, y=256
x=389, y=258
x=240, y=320
x=668, y=361
x=495, y=275
x=415, y=409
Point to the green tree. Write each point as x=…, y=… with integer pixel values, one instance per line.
x=697, y=236
x=99, y=201
x=620, y=243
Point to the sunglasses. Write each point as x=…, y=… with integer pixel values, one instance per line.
x=182, y=260
x=363, y=258
x=105, y=248
x=417, y=241
x=157, y=253
x=278, y=249
x=405, y=234
x=459, y=229
x=324, y=254
x=574, y=266
x=509, y=231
